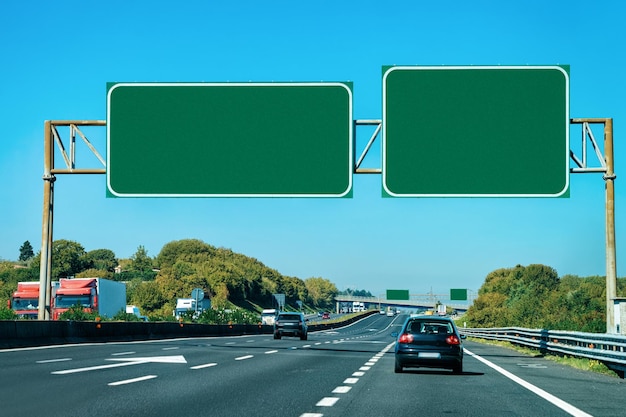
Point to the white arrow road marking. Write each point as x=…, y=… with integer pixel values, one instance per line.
x=125, y=362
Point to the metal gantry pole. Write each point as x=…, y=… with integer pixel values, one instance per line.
x=45, y=265
x=50, y=135
x=611, y=264
x=607, y=167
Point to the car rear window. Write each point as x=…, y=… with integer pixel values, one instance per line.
x=429, y=327
x=289, y=317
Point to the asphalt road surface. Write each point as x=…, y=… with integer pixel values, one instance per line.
x=344, y=372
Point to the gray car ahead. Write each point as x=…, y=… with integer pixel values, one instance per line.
x=290, y=324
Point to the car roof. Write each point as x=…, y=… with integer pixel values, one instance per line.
x=431, y=318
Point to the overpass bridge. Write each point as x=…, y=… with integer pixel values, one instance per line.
x=420, y=301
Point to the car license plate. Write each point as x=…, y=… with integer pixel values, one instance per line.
x=430, y=355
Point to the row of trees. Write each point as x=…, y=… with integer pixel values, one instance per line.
x=526, y=296
x=153, y=284
x=534, y=296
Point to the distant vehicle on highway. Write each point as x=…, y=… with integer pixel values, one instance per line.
x=325, y=315
x=268, y=316
x=290, y=324
x=390, y=313
x=430, y=342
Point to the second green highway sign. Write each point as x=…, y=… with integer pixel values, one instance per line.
x=483, y=131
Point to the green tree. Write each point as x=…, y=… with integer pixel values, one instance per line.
x=7, y=314
x=149, y=296
x=140, y=261
x=67, y=258
x=184, y=250
x=321, y=292
x=26, y=251
x=356, y=293
x=101, y=259
x=95, y=273
x=535, y=297
x=488, y=310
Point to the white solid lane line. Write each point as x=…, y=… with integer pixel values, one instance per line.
x=94, y=368
x=206, y=365
x=130, y=381
x=567, y=407
x=54, y=360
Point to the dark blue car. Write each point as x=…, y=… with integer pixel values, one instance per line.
x=429, y=342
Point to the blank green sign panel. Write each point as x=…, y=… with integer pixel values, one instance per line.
x=487, y=131
x=229, y=139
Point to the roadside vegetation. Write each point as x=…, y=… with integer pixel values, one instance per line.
x=535, y=297
x=240, y=286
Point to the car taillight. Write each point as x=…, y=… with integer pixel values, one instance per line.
x=405, y=338
x=453, y=340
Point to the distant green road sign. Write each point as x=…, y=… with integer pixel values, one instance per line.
x=458, y=294
x=484, y=131
x=398, y=295
x=229, y=139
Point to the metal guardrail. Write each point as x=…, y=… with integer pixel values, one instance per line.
x=609, y=349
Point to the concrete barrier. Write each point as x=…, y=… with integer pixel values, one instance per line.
x=29, y=333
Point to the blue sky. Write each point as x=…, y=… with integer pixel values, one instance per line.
x=58, y=57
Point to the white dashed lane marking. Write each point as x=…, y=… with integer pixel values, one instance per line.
x=327, y=401
x=344, y=389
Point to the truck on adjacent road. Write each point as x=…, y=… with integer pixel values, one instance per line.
x=134, y=310
x=268, y=316
x=358, y=306
x=99, y=295
x=25, y=300
x=185, y=305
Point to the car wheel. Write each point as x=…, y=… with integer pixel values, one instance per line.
x=397, y=368
x=458, y=369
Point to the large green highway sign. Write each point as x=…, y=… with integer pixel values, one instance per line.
x=484, y=131
x=229, y=139
x=458, y=294
x=397, y=294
